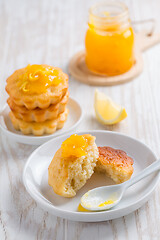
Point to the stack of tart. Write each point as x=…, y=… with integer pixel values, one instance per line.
x=38, y=95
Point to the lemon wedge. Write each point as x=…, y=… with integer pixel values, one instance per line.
x=107, y=112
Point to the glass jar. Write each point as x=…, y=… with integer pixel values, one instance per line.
x=109, y=39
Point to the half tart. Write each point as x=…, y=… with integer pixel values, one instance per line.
x=115, y=163
x=73, y=164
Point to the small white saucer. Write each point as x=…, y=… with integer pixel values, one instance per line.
x=35, y=179
x=74, y=118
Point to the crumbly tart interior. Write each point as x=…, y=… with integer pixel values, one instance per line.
x=68, y=175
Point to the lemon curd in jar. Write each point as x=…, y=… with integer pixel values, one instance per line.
x=109, y=39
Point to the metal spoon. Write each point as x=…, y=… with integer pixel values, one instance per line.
x=106, y=197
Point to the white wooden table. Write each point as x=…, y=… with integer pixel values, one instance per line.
x=51, y=32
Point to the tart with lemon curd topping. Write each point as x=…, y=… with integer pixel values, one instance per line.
x=37, y=86
x=73, y=164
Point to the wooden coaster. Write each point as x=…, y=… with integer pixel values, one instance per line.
x=79, y=70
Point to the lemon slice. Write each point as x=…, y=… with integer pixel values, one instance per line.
x=107, y=112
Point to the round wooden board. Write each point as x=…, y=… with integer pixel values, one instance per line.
x=79, y=70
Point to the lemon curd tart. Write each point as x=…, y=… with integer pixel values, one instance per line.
x=37, y=86
x=73, y=164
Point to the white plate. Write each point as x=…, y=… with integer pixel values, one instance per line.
x=74, y=118
x=35, y=178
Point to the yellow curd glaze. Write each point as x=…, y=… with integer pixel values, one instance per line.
x=108, y=202
x=37, y=78
x=109, y=44
x=74, y=146
x=82, y=209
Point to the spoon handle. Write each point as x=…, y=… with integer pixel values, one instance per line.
x=144, y=173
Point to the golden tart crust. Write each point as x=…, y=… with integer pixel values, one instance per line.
x=38, y=129
x=38, y=114
x=114, y=163
x=52, y=96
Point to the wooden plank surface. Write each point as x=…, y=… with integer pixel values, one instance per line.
x=51, y=32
